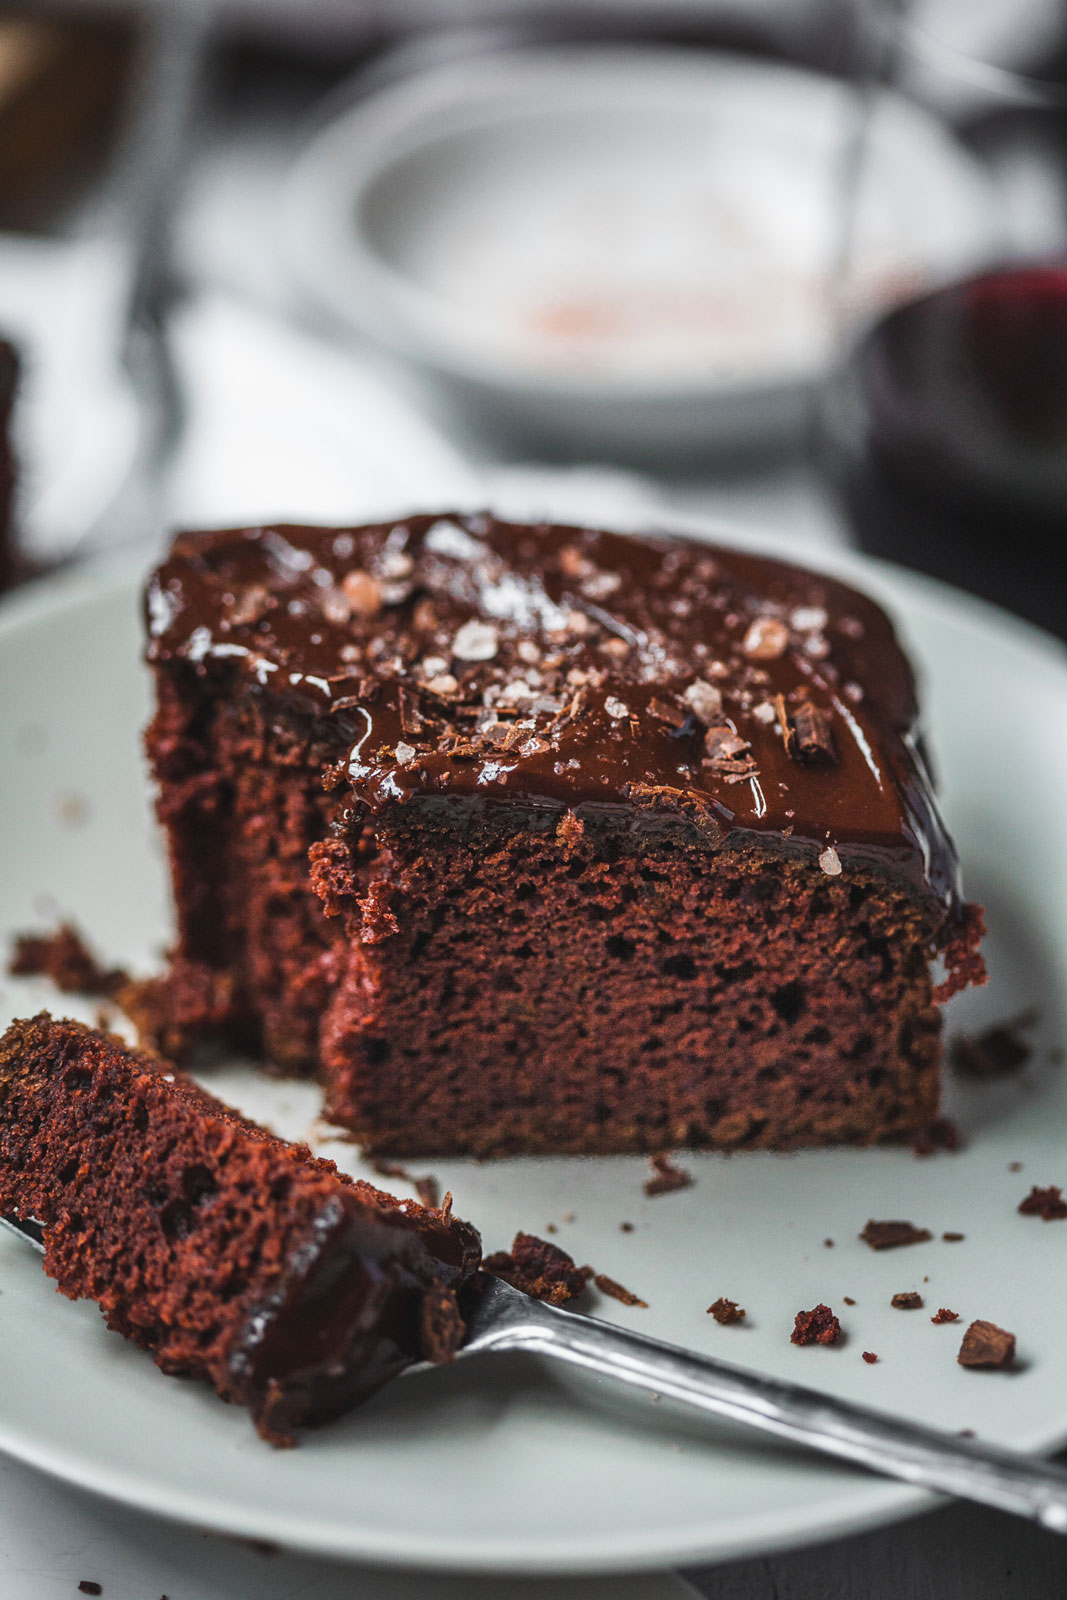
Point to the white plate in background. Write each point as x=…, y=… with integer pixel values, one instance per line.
x=498, y=1466
x=622, y=248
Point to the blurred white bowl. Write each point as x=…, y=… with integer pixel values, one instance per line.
x=624, y=251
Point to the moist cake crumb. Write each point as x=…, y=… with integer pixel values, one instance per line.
x=1048, y=1204
x=615, y=1291
x=726, y=1311
x=667, y=1176
x=952, y=1237
x=892, y=1235
x=539, y=1269
x=945, y=1315
x=848, y=1300
x=870, y=1357
x=986, y=1345
x=907, y=1301
x=229, y=1254
x=818, y=1326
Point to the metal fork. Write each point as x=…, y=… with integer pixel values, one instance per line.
x=503, y=1319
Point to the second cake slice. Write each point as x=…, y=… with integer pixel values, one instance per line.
x=615, y=843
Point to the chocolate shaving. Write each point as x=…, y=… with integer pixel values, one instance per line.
x=953, y=1238
x=726, y=1312
x=818, y=1326
x=615, y=1291
x=539, y=1269
x=668, y=1177
x=810, y=736
x=907, y=1301
x=892, y=1235
x=728, y=755
x=663, y=712
x=1048, y=1204
x=986, y=1345
x=411, y=719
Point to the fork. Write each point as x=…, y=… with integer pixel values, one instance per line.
x=502, y=1318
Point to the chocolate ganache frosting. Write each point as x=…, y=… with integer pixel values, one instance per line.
x=466, y=657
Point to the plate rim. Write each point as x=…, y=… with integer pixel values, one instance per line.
x=869, y=1503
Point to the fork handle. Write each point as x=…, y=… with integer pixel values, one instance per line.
x=927, y=1457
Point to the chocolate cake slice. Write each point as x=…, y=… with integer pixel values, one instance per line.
x=230, y=1254
x=615, y=843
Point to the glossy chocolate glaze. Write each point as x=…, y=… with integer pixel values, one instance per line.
x=347, y=1315
x=463, y=657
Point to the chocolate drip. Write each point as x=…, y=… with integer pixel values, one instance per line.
x=461, y=657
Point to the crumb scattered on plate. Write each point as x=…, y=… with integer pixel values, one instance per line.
x=667, y=1176
x=892, y=1235
x=1048, y=1204
x=818, y=1326
x=986, y=1345
x=615, y=1291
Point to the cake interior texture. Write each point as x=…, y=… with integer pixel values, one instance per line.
x=543, y=839
x=230, y=1254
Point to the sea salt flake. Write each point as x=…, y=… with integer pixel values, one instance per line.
x=405, y=754
x=601, y=585
x=809, y=619
x=704, y=699
x=764, y=712
x=445, y=539
x=830, y=862
x=395, y=564
x=475, y=641
x=616, y=709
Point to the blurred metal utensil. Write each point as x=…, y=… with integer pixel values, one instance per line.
x=145, y=190
x=501, y=1318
